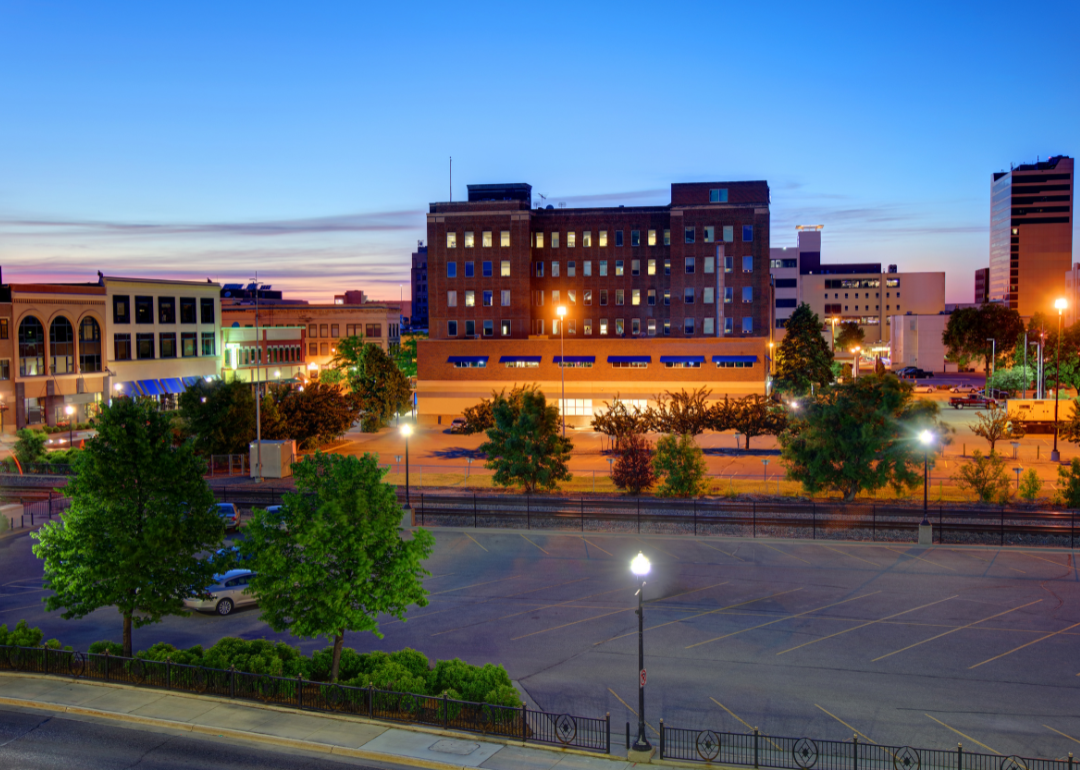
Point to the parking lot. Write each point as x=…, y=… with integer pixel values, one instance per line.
x=894, y=643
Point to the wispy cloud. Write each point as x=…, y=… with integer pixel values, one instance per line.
x=661, y=194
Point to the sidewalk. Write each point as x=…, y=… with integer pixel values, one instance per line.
x=311, y=731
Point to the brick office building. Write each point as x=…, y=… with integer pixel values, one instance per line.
x=678, y=285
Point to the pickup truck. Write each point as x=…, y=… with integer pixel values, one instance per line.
x=972, y=399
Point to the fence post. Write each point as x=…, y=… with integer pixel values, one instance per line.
x=813, y=512
x=168, y=673
x=1072, y=531
x=528, y=512
x=300, y=690
x=524, y=723
x=628, y=736
x=1070, y=760
x=639, y=515
x=370, y=700
x=474, y=510
x=754, y=509
x=232, y=681
x=959, y=756
x=661, y=739
x=695, y=530
x=107, y=666
x=421, y=509
x=756, y=737
x=445, y=711
x=607, y=739
x=583, y=514
x=873, y=513
x=855, y=752
x=940, y=527
x=1003, y=526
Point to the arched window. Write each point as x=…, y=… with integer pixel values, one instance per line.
x=62, y=346
x=89, y=345
x=31, y=347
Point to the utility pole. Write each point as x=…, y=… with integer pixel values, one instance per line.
x=258, y=385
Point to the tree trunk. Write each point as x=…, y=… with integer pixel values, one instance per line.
x=127, y=635
x=338, y=639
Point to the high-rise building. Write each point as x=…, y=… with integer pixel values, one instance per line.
x=982, y=285
x=1031, y=234
x=419, y=319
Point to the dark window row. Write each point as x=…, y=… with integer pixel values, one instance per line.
x=166, y=345
x=143, y=310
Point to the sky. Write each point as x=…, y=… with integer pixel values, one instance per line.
x=304, y=141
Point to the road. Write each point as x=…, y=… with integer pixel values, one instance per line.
x=907, y=646
x=34, y=740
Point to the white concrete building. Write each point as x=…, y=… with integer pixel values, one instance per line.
x=915, y=340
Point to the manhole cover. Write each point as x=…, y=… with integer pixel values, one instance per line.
x=461, y=748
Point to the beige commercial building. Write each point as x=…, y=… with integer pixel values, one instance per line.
x=915, y=340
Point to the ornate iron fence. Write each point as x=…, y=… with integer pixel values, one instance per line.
x=589, y=733
x=757, y=750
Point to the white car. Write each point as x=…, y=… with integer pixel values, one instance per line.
x=923, y=389
x=228, y=592
x=963, y=389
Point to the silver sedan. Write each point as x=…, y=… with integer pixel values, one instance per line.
x=228, y=592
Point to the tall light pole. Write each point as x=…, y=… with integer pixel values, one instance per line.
x=69, y=410
x=768, y=377
x=926, y=438
x=834, y=319
x=993, y=361
x=406, y=431
x=1025, y=365
x=1060, y=304
x=561, y=311
x=640, y=567
x=258, y=383
x=855, y=352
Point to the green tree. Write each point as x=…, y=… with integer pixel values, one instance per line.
x=274, y=425
x=405, y=355
x=618, y=421
x=1069, y=429
x=1013, y=379
x=849, y=335
x=753, y=415
x=803, y=358
x=682, y=413
x=1069, y=484
x=633, y=468
x=969, y=331
x=30, y=447
x=481, y=417
x=333, y=560
x=525, y=446
x=316, y=414
x=140, y=516
x=680, y=467
x=220, y=416
x=994, y=425
x=1030, y=484
x=859, y=436
x=985, y=476
x=381, y=389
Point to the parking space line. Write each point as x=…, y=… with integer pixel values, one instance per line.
x=661, y=550
x=864, y=625
x=1041, y=558
x=962, y=735
x=845, y=724
x=572, y=623
x=530, y=541
x=436, y=577
x=474, y=585
x=785, y=553
x=988, y=561
x=542, y=588
x=1048, y=727
x=844, y=553
x=920, y=558
x=473, y=539
x=27, y=607
x=721, y=550
x=594, y=545
x=780, y=620
x=744, y=723
x=523, y=612
x=1022, y=646
x=701, y=614
x=630, y=709
x=954, y=630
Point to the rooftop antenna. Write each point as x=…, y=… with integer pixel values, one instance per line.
x=451, y=178
x=543, y=198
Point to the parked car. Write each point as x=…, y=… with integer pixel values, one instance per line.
x=903, y=371
x=229, y=514
x=228, y=592
x=963, y=389
x=918, y=374
x=457, y=425
x=924, y=388
x=975, y=400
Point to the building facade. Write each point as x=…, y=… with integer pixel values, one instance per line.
x=1031, y=215
x=982, y=286
x=419, y=319
x=275, y=354
x=915, y=340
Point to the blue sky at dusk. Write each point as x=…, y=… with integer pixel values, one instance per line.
x=305, y=140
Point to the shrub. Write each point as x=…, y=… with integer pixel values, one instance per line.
x=163, y=651
x=680, y=467
x=256, y=656
x=101, y=648
x=1030, y=484
x=633, y=470
x=986, y=476
x=1069, y=484
x=30, y=448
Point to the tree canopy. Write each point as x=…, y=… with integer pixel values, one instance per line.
x=332, y=559
x=525, y=446
x=803, y=358
x=753, y=415
x=405, y=355
x=969, y=330
x=381, y=389
x=618, y=421
x=680, y=467
x=314, y=414
x=219, y=416
x=681, y=413
x=140, y=516
x=849, y=335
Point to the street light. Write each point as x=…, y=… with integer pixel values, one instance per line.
x=640, y=567
x=926, y=438
x=406, y=431
x=1060, y=304
x=561, y=311
x=993, y=360
x=834, y=319
x=855, y=352
x=69, y=410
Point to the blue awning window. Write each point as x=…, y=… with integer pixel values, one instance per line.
x=629, y=359
x=126, y=389
x=576, y=359
x=172, y=385
x=465, y=362
x=734, y=359
x=682, y=359
x=518, y=359
x=151, y=388
x=190, y=381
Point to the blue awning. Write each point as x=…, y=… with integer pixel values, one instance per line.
x=126, y=389
x=518, y=359
x=734, y=359
x=190, y=381
x=629, y=359
x=172, y=385
x=682, y=359
x=576, y=359
x=467, y=360
x=151, y=388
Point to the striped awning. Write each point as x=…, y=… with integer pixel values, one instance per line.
x=682, y=359
x=126, y=389
x=734, y=359
x=151, y=388
x=190, y=381
x=173, y=385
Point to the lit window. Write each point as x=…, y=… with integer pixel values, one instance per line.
x=652, y=237
x=652, y=267
x=505, y=268
x=603, y=326
x=571, y=326
x=485, y=239
x=635, y=237
x=603, y=239
x=470, y=240
x=554, y=269
x=667, y=267
x=504, y=238
x=667, y=327
x=667, y=296
x=571, y=296
x=618, y=267
x=505, y=328
x=554, y=240
x=587, y=326
x=652, y=327
x=451, y=240
x=555, y=297
x=538, y=239
x=470, y=299
x=620, y=328
x=586, y=239
x=571, y=239
x=689, y=233
x=667, y=237
x=709, y=231
x=635, y=296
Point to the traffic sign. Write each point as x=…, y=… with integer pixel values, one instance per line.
x=642, y=677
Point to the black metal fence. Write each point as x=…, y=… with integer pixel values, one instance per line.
x=524, y=724
x=757, y=750
x=35, y=513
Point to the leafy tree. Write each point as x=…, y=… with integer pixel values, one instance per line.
x=525, y=446
x=859, y=436
x=994, y=425
x=380, y=387
x=274, y=425
x=753, y=415
x=969, y=331
x=1069, y=429
x=633, y=468
x=680, y=467
x=333, y=559
x=986, y=477
x=1069, y=367
x=30, y=447
x=481, y=416
x=316, y=414
x=1030, y=484
x=879, y=367
x=803, y=358
x=140, y=515
x=617, y=421
x=849, y=335
x=405, y=355
x=682, y=413
x=332, y=376
x=1069, y=484
x=961, y=358
x=1013, y=380
x=220, y=416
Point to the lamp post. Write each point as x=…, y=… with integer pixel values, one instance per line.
x=258, y=384
x=1060, y=304
x=69, y=410
x=993, y=364
x=855, y=352
x=561, y=311
x=768, y=379
x=406, y=431
x=834, y=319
x=926, y=438
x=640, y=567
